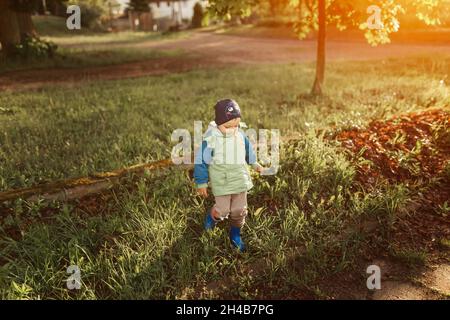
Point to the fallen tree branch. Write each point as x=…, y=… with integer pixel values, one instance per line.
x=69, y=189
x=76, y=188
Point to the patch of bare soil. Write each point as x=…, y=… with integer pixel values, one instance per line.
x=412, y=148
x=406, y=147
x=38, y=78
x=438, y=278
x=426, y=226
x=402, y=282
x=398, y=290
x=398, y=282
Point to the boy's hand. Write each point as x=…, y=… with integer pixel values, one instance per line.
x=203, y=192
x=259, y=169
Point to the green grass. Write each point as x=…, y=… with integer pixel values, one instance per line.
x=249, y=30
x=83, y=58
x=146, y=241
x=115, y=39
x=55, y=29
x=445, y=243
x=55, y=26
x=410, y=257
x=86, y=48
x=59, y=133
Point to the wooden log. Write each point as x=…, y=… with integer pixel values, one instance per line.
x=76, y=188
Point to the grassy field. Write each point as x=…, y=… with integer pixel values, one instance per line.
x=60, y=133
x=144, y=239
x=87, y=48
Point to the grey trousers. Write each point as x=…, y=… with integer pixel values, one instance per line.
x=233, y=206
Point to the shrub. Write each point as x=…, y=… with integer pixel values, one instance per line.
x=33, y=47
x=90, y=15
x=197, y=18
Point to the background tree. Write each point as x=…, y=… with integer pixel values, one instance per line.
x=9, y=28
x=320, y=61
x=24, y=9
x=277, y=7
x=57, y=7
x=197, y=17
x=16, y=24
x=139, y=5
x=18, y=34
x=316, y=15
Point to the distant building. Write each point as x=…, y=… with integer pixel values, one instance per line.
x=162, y=16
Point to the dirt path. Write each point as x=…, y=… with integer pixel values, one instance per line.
x=206, y=49
x=433, y=283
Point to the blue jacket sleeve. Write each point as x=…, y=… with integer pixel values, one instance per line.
x=202, y=160
x=250, y=155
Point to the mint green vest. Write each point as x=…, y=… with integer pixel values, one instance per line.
x=228, y=170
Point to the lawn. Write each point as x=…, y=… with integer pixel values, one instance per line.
x=144, y=238
x=69, y=132
x=87, y=48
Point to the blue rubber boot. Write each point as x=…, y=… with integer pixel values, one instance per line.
x=210, y=223
x=235, y=238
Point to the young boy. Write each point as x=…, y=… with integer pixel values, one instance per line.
x=222, y=160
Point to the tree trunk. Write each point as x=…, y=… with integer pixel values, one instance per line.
x=180, y=10
x=42, y=7
x=320, y=64
x=26, y=25
x=56, y=8
x=9, y=28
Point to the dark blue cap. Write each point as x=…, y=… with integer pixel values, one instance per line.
x=226, y=110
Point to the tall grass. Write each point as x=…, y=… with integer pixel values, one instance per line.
x=67, y=132
x=148, y=242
